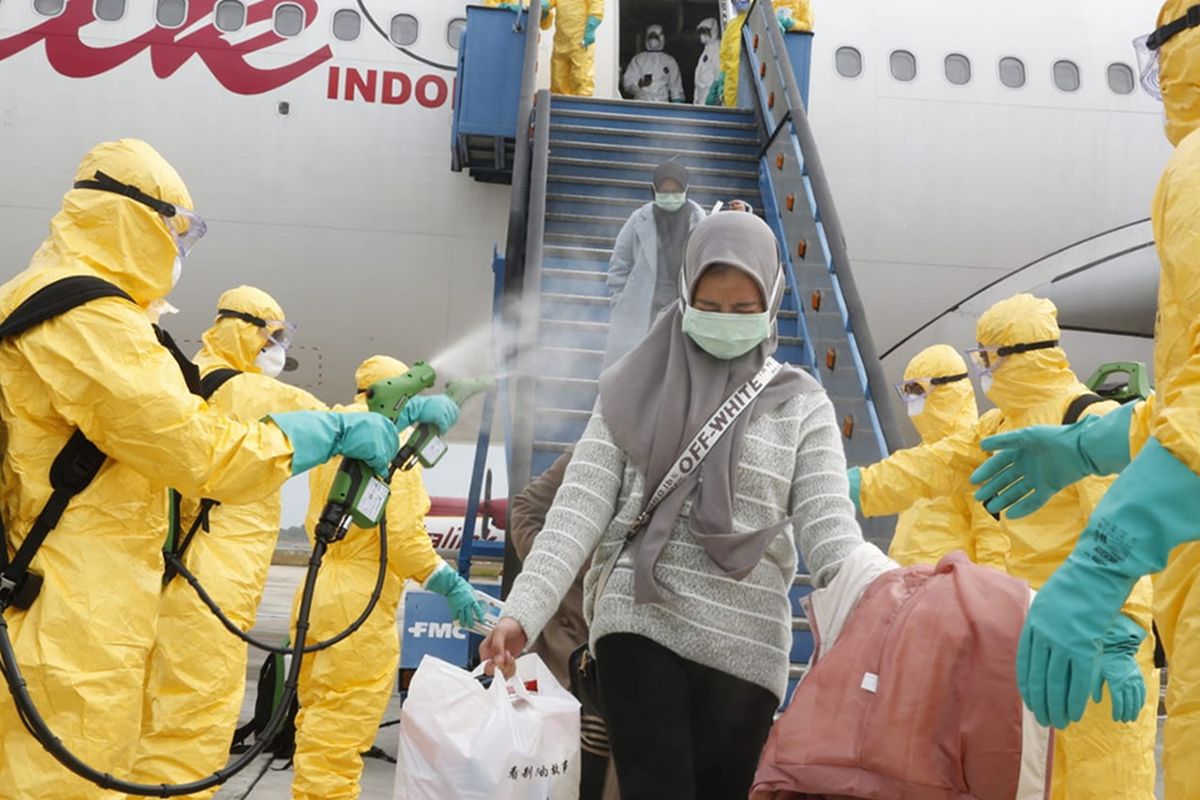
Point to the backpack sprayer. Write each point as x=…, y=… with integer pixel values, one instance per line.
x=357, y=496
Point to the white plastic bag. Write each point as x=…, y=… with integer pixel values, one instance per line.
x=460, y=741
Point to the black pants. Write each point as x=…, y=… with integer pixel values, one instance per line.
x=679, y=729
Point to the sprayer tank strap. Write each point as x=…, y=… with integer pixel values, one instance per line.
x=694, y=454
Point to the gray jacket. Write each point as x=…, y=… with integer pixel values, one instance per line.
x=632, y=273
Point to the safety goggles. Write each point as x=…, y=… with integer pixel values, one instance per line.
x=917, y=389
x=276, y=331
x=985, y=360
x=1147, y=48
x=186, y=227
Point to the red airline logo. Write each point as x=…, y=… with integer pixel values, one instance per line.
x=69, y=56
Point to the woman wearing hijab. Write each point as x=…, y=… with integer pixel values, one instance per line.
x=643, y=276
x=691, y=625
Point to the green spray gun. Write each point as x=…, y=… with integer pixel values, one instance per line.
x=358, y=495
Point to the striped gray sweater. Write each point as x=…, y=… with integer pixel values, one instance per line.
x=792, y=463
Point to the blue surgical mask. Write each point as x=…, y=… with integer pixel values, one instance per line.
x=726, y=336
x=670, y=201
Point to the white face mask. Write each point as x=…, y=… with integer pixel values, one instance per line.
x=176, y=270
x=158, y=309
x=705, y=38
x=915, y=406
x=271, y=360
x=985, y=382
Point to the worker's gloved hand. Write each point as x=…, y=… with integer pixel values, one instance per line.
x=545, y=8
x=510, y=7
x=589, y=30
x=318, y=436
x=716, y=92
x=1152, y=506
x=646, y=81
x=1120, y=670
x=1034, y=464
x=854, y=475
x=459, y=595
x=786, y=23
x=438, y=410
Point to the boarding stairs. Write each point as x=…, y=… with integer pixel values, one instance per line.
x=584, y=165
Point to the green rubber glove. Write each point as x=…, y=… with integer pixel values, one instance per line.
x=1036, y=463
x=318, y=436
x=459, y=595
x=545, y=8
x=438, y=410
x=786, y=23
x=510, y=7
x=716, y=92
x=1119, y=669
x=589, y=30
x=1152, y=506
x=854, y=475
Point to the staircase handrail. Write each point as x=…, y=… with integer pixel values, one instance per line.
x=761, y=22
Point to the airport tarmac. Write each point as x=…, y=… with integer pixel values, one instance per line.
x=266, y=780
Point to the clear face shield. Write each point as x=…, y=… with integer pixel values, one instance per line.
x=1147, y=66
x=275, y=331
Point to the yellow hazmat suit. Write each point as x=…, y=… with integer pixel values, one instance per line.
x=932, y=528
x=1095, y=759
x=84, y=643
x=344, y=690
x=197, y=670
x=1173, y=414
x=731, y=58
x=572, y=66
x=801, y=14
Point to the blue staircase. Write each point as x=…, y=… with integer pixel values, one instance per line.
x=590, y=165
x=601, y=160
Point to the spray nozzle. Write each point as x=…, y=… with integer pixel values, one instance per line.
x=463, y=389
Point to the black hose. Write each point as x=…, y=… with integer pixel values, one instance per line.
x=38, y=728
x=233, y=628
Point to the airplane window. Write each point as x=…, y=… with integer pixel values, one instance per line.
x=289, y=19
x=1012, y=72
x=404, y=29
x=347, y=24
x=48, y=8
x=230, y=15
x=1066, y=76
x=904, y=65
x=454, y=32
x=170, y=13
x=848, y=62
x=958, y=69
x=110, y=10
x=1120, y=78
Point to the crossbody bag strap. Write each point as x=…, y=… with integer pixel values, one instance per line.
x=694, y=454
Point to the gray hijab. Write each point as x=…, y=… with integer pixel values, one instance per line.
x=658, y=396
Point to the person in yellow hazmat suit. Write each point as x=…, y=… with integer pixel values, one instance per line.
x=98, y=369
x=1148, y=520
x=197, y=671
x=793, y=15
x=344, y=690
x=573, y=62
x=940, y=401
x=1025, y=372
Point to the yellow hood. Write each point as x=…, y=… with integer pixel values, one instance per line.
x=1179, y=73
x=1025, y=380
x=950, y=406
x=375, y=369
x=234, y=342
x=111, y=236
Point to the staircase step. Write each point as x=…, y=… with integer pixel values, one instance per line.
x=704, y=194
x=708, y=143
x=568, y=362
x=646, y=118
x=564, y=255
x=692, y=159
x=559, y=424
x=622, y=106
x=745, y=180
x=576, y=394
